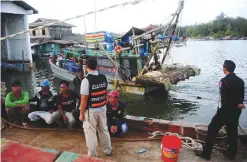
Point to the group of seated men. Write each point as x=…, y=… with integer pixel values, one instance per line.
x=63, y=108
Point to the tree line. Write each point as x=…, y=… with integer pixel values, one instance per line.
x=220, y=27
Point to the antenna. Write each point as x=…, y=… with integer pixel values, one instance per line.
x=95, y=15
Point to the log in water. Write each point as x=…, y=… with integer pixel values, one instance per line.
x=168, y=75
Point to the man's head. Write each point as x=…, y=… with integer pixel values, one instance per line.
x=45, y=85
x=113, y=97
x=228, y=67
x=91, y=64
x=16, y=86
x=64, y=86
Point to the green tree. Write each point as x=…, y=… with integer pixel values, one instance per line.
x=220, y=16
x=220, y=27
x=228, y=30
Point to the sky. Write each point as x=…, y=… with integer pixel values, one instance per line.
x=121, y=19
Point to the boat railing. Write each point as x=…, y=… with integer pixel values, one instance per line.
x=76, y=67
x=111, y=53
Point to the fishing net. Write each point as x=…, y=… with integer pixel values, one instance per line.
x=168, y=75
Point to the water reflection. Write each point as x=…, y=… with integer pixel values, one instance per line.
x=162, y=107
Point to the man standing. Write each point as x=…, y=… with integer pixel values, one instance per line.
x=45, y=103
x=116, y=111
x=232, y=97
x=16, y=103
x=66, y=103
x=93, y=109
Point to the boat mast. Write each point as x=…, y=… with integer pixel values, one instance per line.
x=181, y=6
x=164, y=29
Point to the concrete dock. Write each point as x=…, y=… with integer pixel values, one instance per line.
x=122, y=150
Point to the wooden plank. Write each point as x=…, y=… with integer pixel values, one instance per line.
x=73, y=157
x=67, y=157
x=89, y=159
x=14, y=152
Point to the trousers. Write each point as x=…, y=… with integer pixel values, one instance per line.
x=36, y=115
x=57, y=117
x=221, y=118
x=18, y=114
x=96, y=122
x=122, y=128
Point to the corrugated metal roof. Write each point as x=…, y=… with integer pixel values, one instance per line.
x=43, y=41
x=43, y=21
x=75, y=37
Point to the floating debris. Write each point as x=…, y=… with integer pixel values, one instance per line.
x=168, y=75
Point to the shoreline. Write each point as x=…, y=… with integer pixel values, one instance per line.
x=212, y=39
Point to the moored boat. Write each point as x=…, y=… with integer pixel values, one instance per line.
x=132, y=63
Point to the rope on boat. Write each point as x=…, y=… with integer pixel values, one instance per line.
x=187, y=142
x=222, y=130
x=133, y=2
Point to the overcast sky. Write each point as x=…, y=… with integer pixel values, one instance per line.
x=122, y=19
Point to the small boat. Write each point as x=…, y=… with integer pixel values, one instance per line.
x=62, y=73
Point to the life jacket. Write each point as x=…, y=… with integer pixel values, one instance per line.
x=97, y=90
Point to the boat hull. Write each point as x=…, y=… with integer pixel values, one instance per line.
x=62, y=73
x=125, y=87
x=193, y=130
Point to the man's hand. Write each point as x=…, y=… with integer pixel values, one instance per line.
x=241, y=106
x=113, y=129
x=81, y=117
x=116, y=129
x=26, y=107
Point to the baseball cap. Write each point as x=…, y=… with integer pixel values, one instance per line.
x=114, y=93
x=45, y=83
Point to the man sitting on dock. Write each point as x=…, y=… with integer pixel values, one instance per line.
x=116, y=111
x=45, y=103
x=16, y=103
x=66, y=103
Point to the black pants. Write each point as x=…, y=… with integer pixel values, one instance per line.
x=17, y=115
x=231, y=120
x=3, y=112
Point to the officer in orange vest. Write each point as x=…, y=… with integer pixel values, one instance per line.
x=93, y=109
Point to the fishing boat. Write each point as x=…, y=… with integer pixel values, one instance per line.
x=132, y=63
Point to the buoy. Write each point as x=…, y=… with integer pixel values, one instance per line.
x=170, y=148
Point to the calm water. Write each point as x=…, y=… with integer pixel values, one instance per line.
x=182, y=103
